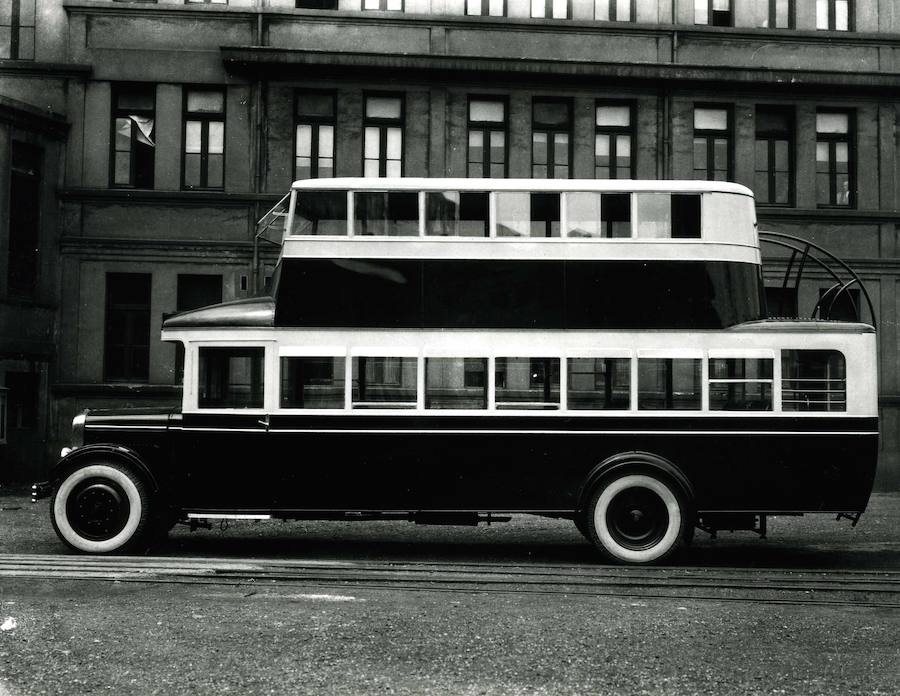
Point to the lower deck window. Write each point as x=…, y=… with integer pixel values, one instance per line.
x=456, y=214
x=740, y=384
x=456, y=383
x=383, y=382
x=527, y=383
x=669, y=384
x=312, y=382
x=599, y=383
x=813, y=380
x=528, y=214
x=231, y=378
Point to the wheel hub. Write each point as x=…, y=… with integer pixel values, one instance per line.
x=98, y=509
x=637, y=518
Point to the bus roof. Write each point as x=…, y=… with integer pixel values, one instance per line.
x=466, y=184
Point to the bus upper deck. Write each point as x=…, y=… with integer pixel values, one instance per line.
x=486, y=218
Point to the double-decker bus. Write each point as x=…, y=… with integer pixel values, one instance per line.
x=454, y=350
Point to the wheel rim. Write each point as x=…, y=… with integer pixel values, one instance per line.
x=98, y=509
x=637, y=518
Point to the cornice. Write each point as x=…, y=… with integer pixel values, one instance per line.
x=176, y=198
x=30, y=68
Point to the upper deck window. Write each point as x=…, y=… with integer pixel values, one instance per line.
x=457, y=214
x=320, y=212
x=393, y=214
x=231, y=378
x=528, y=214
x=668, y=216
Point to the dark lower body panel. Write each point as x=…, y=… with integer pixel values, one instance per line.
x=514, y=464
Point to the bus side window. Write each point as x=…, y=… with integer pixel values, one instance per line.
x=383, y=382
x=312, y=382
x=740, y=384
x=813, y=380
x=654, y=215
x=669, y=384
x=530, y=383
x=599, y=383
x=231, y=378
x=686, y=216
x=320, y=212
x=456, y=383
x=386, y=213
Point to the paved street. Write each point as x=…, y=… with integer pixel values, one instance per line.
x=385, y=608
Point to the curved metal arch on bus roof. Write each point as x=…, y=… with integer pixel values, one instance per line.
x=802, y=247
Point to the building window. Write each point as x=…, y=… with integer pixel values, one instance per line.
x=834, y=15
x=383, y=126
x=204, y=139
x=614, y=10
x=712, y=144
x=834, y=171
x=774, y=155
x=17, y=29
x=205, y=2
x=24, y=220
x=486, y=8
x=613, y=141
x=387, y=5
x=487, y=138
x=193, y=292
x=551, y=138
x=551, y=9
x=781, y=302
x=23, y=399
x=780, y=15
x=126, y=356
x=314, y=114
x=134, y=133
x=716, y=13
x=316, y=4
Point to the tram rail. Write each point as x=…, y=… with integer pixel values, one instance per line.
x=865, y=588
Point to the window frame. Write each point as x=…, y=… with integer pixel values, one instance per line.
x=630, y=130
x=128, y=374
x=548, y=11
x=316, y=122
x=485, y=6
x=613, y=6
x=710, y=134
x=486, y=128
x=832, y=139
x=205, y=118
x=17, y=27
x=383, y=124
x=773, y=15
x=115, y=113
x=551, y=131
x=709, y=14
x=383, y=6
x=770, y=137
x=832, y=16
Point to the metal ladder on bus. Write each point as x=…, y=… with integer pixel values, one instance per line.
x=842, y=276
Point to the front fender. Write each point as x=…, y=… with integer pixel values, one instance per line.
x=105, y=450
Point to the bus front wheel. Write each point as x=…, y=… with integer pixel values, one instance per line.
x=637, y=518
x=102, y=507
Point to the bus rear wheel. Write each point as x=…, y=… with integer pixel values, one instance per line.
x=637, y=518
x=102, y=508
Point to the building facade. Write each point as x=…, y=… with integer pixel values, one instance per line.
x=140, y=143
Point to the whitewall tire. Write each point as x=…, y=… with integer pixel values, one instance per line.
x=637, y=518
x=102, y=508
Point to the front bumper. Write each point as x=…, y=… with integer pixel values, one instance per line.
x=41, y=490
